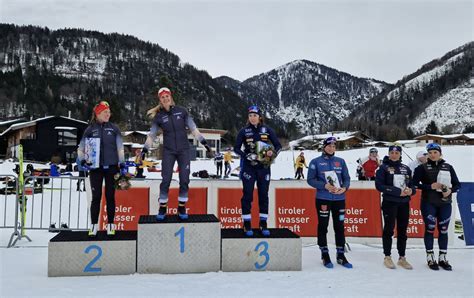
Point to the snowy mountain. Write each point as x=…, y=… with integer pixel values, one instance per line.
x=440, y=91
x=309, y=95
x=53, y=72
x=452, y=112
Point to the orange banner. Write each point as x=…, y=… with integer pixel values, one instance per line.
x=129, y=205
x=197, y=203
x=363, y=214
x=295, y=209
x=230, y=208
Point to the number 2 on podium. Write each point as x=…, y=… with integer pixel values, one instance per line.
x=89, y=267
x=180, y=233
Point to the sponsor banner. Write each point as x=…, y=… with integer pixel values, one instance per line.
x=416, y=225
x=465, y=198
x=295, y=209
x=129, y=205
x=363, y=213
x=229, y=208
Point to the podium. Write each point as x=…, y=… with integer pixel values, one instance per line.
x=77, y=254
x=281, y=251
x=178, y=246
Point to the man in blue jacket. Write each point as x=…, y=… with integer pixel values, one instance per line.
x=330, y=176
x=393, y=180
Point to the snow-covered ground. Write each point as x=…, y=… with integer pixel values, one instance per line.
x=24, y=273
x=24, y=268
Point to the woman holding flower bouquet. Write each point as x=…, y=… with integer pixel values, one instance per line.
x=261, y=146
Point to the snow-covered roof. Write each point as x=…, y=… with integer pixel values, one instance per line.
x=33, y=122
x=10, y=121
x=142, y=132
x=469, y=135
x=65, y=128
x=402, y=142
x=446, y=137
x=340, y=136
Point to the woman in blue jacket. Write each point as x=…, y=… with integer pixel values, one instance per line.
x=393, y=180
x=330, y=176
x=252, y=170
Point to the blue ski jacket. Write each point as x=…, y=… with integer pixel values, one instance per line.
x=317, y=179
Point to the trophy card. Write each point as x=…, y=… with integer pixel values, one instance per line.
x=92, y=152
x=331, y=178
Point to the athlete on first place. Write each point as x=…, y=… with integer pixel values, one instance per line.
x=175, y=122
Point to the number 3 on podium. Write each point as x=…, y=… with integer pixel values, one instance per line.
x=263, y=253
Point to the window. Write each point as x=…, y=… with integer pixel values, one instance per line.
x=67, y=137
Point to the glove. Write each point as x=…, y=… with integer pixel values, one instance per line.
x=251, y=157
x=123, y=169
x=85, y=165
x=208, y=149
x=144, y=152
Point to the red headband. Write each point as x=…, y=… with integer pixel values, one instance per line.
x=100, y=107
x=164, y=91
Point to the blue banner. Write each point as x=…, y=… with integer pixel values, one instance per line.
x=465, y=200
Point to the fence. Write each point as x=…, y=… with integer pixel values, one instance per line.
x=56, y=200
x=50, y=204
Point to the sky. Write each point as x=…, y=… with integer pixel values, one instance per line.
x=378, y=39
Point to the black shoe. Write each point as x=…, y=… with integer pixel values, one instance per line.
x=431, y=260
x=263, y=228
x=445, y=265
x=341, y=260
x=248, y=228
x=182, y=211
x=162, y=212
x=433, y=265
x=326, y=260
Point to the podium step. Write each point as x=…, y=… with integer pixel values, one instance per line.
x=178, y=246
x=76, y=254
x=281, y=251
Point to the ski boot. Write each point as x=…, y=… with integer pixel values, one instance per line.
x=248, y=228
x=325, y=257
x=110, y=229
x=162, y=211
x=93, y=230
x=182, y=211
x=443, y=263
x=341, y=258
x=263, y=227
x=431, y=260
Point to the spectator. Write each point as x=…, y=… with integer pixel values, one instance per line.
x=368, y=165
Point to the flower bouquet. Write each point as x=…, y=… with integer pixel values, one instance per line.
x=122, y=182
x=266, y=153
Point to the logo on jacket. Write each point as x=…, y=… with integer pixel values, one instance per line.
x=324, y=207
x=264, y=129
x=337, y=164
x=246, y=176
